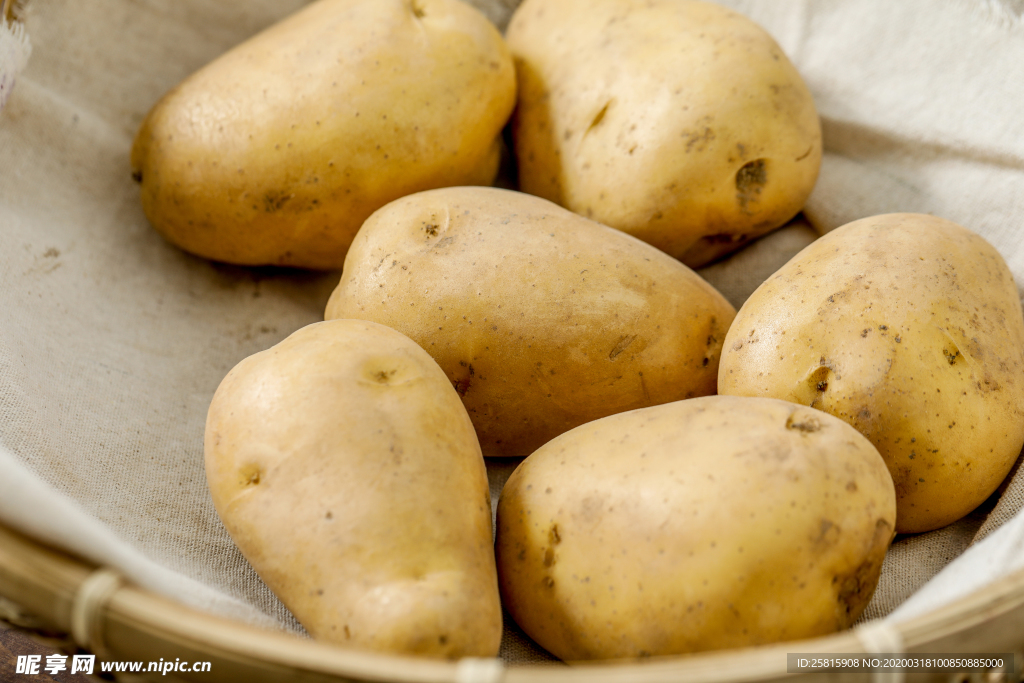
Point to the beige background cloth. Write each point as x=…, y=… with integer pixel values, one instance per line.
x=112, y=342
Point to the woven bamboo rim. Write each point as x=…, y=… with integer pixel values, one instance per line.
x=135, y=625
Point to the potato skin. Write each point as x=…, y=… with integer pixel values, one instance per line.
x=909, y=328
x=347, y=472
x=679, y=122
x=542, y=319
x=703, y=524
x=276, y=152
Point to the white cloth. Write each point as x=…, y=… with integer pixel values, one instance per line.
x=994, y=557
x=58, y=522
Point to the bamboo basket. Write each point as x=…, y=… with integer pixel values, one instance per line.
x=128, y=624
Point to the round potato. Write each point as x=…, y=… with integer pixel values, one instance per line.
x=276, y=152
x=679, y=122
x=346, y=470
x=542, y=319
x=710, y=523
x=908, y=327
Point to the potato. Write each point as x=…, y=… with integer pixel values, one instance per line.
x=276, y=152
x=908, y=327
x=345, y=468
x=709, y=523
x=542, y=319
x=679, y=122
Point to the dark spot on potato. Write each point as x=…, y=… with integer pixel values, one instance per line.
x=250, y=476
x=348, y=634
x=851, y=487
x=599, y=117
x=329, y=515
x=827, y=532
x=461, y=385
x=430, y=229
x=549, y=582
x=553, y=536
x=698, y=140
x=137, y=176
x=549, y=557
x=806, y=425
x=818, y=380
x=719, y=238
x=273, y=201
x=750, y=180
x=621, y=345
x=442, y=639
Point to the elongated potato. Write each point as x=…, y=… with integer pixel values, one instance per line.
x=542, y=319
x=345, y=468
x=908, y=327
x=680, y=122
x=277, y=151
x=710, y=523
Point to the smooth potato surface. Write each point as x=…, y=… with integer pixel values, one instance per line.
x=710, y=523
x=542, y=319
x=347, y=472
x=276, y=152
x=909, y=328
x=679, y=122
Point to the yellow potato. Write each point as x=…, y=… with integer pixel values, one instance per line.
x=542, y=319
x=276, y=152
x=679, y=122
x=710, y=523
x=346, y=470
x=908, y=327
